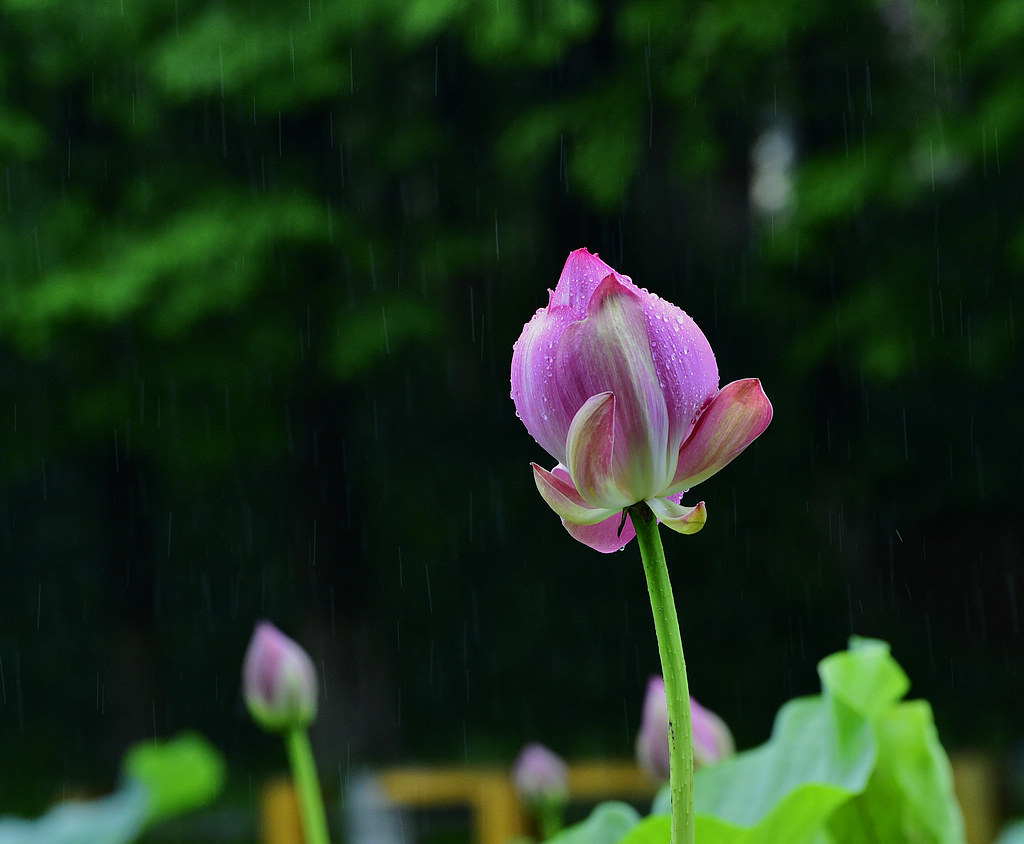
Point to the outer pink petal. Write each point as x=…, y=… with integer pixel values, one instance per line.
x=677, y=517
x=590, y=454
x=604, y=536
x=609, y=351
x=534, y=386
x=562, y=497
x=733, y=420
x=712, y=739
x=581, y=275
x=686, y=366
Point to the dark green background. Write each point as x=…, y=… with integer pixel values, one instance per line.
x=262, y=268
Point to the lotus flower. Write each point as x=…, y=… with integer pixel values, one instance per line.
x=621, y=388
x=712, y=740
x=278, y=681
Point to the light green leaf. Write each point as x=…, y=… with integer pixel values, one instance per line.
x=161, y=779
x=607, y=824
x=656, y=829
x=853, y=765
x=116, y=819
x=180, y=775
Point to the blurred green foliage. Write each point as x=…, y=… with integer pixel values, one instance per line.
x=262, y=267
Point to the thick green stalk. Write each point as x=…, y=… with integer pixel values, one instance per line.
x=307, y=786
x=550, y=813
x=673, y=668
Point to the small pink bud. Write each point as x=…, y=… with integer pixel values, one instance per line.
x=712, y=740
x=540, y=775
x=278, y=681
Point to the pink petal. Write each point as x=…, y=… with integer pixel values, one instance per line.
x=677, y=517
x=733, y=420
x=534, y=386
x=604, y=536
x=712, y=739
x=686, y=366
x=556, y=488
x=580, y=277
x=590, y=452
x=652, y=742
x=609, y=351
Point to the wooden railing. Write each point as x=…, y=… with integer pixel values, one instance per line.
x=498, y=816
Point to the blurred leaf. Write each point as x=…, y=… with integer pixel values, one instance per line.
x=607, y=824
x=204, y=259
x=163, y=779
x=820, y=753
x=656, y=829
x=363, y=334
x=180, y=775
x=116, y=819
x=865, y=677
x=1012, y=834
x=854, y=761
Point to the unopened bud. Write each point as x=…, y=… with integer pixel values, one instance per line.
x=540, y=775
x=278, y=681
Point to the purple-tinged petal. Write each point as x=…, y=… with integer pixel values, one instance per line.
x=686, y=366
x=581, y=275
x=678, y=518
x=534, y=386
x=557, y=489
x=609, y=351
x=278, y=680
x=540, y=774
x=590, y=452
x=652, y=742
x=712, y=739
x=733, y=420
x=604, y=536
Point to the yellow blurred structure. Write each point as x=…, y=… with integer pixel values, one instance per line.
x=498, y=816
x=977, y=785
x=280, y=822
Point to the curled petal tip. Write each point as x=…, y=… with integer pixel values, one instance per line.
x=676, y=517
x=561, y=495
x=732, y=421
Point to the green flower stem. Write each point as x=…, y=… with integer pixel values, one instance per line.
x=673, y=667
x=550, y=813
x=307, y=786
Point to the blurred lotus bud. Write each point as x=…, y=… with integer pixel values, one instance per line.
x=278, y=681
x=652, y=742
x=712, y=740
x=540, y=775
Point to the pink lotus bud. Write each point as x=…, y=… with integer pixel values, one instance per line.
x=278, y=681
x=652, y=751
x=712, y=740
x=540, y=775
x=621, y=388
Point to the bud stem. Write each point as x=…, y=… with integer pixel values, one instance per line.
x=673, y=668
x=307, y=786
